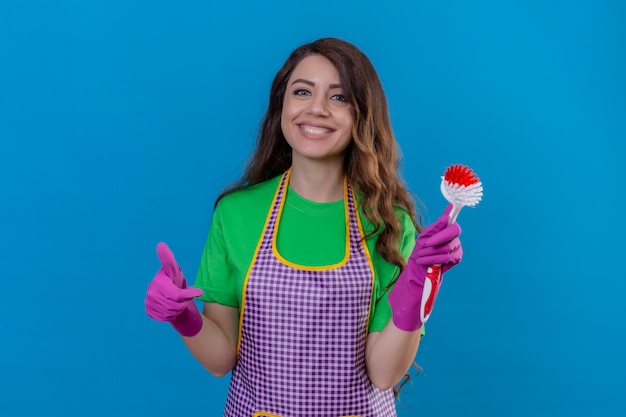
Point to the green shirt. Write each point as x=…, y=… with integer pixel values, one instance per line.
x=310, y=233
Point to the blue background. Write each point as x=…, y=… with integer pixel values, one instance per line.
x=121, y=121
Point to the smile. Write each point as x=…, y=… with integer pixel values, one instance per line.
x=316, y=130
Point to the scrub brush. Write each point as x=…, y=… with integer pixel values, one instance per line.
x=461, y=187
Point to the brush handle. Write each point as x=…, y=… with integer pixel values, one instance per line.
x=454, y=213
x=432, y=283
x=434, y=275
x=436, y=250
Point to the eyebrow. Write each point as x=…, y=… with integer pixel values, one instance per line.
x=312, y=84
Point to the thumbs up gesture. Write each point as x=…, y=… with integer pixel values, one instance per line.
x=169, y=299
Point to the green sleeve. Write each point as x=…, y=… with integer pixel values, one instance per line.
x=214, y=275
x=386, y=273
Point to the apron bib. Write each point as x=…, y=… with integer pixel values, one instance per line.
x=302, y=331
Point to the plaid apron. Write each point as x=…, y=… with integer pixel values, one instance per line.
x=302, y=332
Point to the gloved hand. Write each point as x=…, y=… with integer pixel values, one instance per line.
x=437, y=249
x=170, y=299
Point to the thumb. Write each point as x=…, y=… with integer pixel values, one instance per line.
x=444, y=219
x=165, y=256
x=432, y=229
x=170, y=266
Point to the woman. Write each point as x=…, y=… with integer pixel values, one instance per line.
x=305, y=301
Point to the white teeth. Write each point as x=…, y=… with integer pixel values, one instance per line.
x=315, y=130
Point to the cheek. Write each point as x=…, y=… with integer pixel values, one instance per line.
x=348, y=120
x=285, y=125
x=287, y=116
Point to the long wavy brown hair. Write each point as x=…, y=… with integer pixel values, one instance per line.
x=371, y=160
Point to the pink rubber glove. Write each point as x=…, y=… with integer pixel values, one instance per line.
x=170, y=299
x=436, y=250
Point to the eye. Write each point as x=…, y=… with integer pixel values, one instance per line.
x=301, y=92
x=339, y=97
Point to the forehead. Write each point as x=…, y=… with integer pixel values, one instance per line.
x=316, y=67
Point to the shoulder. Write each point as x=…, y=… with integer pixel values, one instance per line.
x=256, y=198
x=407, y=224
x=239, y=218
x=406, y=221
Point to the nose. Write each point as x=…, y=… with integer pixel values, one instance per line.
x=318, y=105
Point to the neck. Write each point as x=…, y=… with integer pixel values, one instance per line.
x=317, y=181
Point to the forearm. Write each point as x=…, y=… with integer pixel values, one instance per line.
x=215, y=351
x=389, y=355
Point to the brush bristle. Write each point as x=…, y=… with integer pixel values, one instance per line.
x=461, y=187
x=460, y=175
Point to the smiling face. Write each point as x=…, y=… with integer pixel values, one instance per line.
x=316, y=119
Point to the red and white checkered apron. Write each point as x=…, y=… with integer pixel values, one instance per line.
x=302, y=333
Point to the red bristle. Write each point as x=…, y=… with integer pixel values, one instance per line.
x=460, y=175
